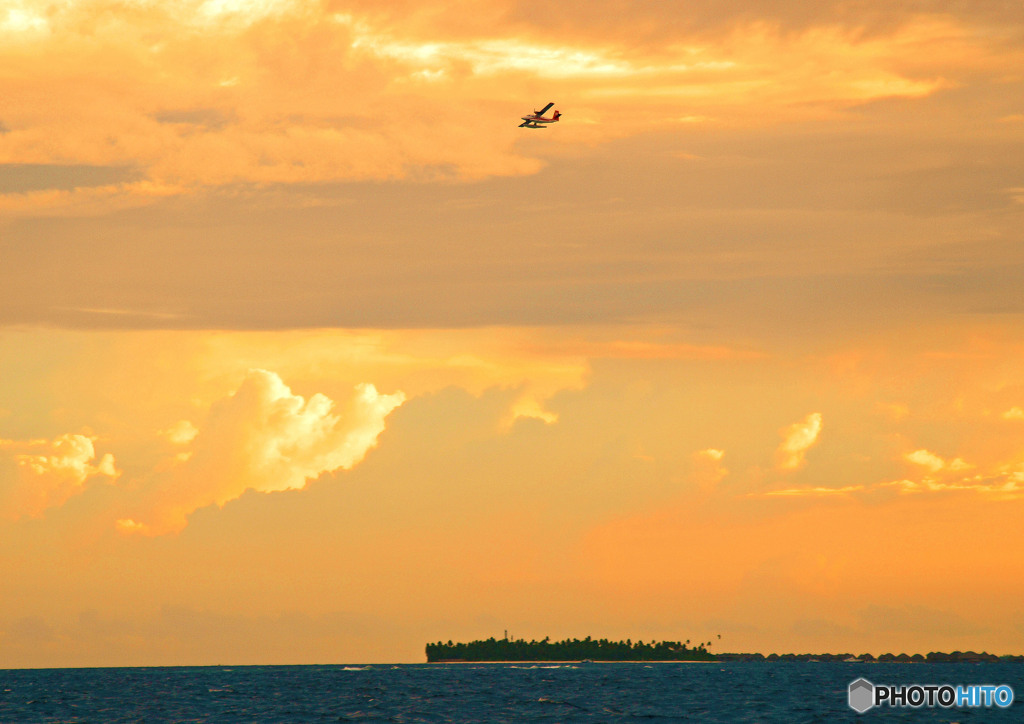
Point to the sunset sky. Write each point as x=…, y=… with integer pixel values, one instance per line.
x=308, y=354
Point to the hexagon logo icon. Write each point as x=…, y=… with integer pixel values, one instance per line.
x=861, y=695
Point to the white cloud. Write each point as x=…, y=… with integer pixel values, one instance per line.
x=20, y=18
x=249, y=11
x=926, y=459
x=933, y=462
x=181, y=432
x=1014, y=413
x=797, y=440
x=40, y=474
x=711, y=454
x=263, y=438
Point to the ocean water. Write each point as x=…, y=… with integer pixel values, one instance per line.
x=542, y=692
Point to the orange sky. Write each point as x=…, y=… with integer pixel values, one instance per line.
x=309, y=354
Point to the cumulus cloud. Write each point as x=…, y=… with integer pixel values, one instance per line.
x=39, y=474
x=263, y=438
x=797, y=440
x=933, y=463
x=181, y=432
x=926, y=459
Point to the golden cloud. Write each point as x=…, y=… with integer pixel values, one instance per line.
x=933, y=462
x=208, y=93
x=217, y=422
x=797, y=440
x=1002, y=482
x=1007, y=484
x=261, y=438
x=46, y=473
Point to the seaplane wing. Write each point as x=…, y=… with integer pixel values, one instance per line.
x=536, y=118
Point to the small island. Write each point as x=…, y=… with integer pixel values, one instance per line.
x=588, y=649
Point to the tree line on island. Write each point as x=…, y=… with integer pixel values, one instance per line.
x=507, y=649
x=590, y=649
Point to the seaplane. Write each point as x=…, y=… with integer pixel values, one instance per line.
x=534, y=121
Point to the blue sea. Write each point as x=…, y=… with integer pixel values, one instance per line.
x=543, y=692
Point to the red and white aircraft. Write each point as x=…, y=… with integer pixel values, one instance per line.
x=538, y=118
